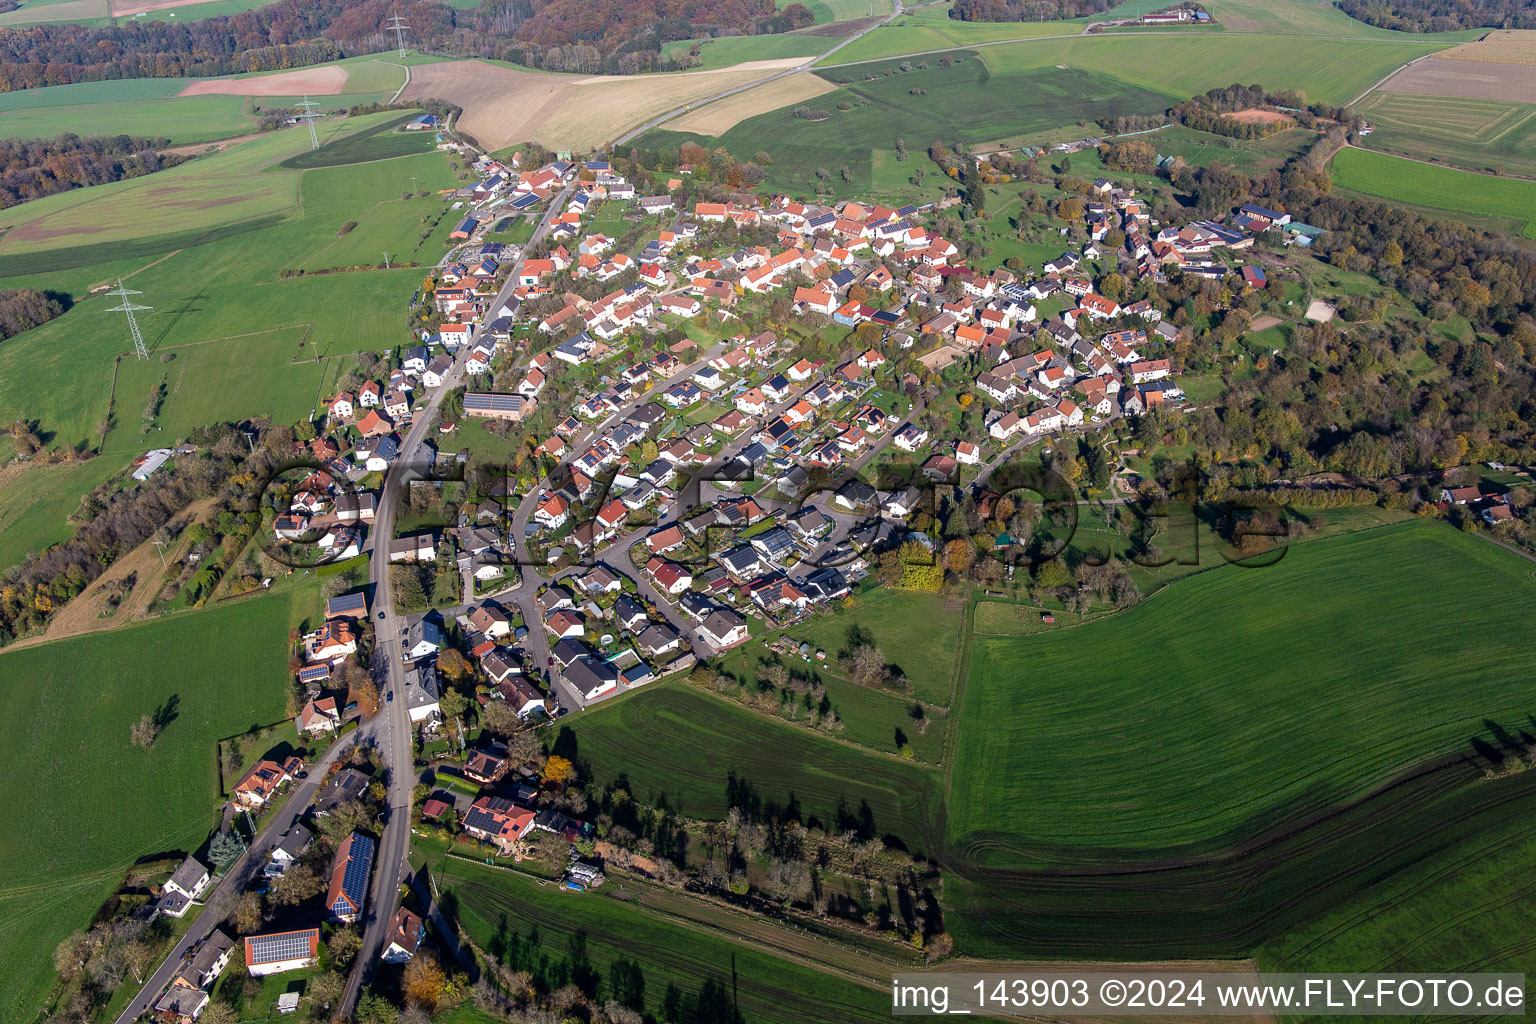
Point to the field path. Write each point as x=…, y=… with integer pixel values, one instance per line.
x=1377, y=85
x=403, y=85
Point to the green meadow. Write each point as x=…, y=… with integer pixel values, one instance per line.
x=1240, y=697
x=229, y=336
x=919, y=105
x=708, y=739
x=506, y=909
x=1437, y=188
x=63, y=853
x=1492, y=136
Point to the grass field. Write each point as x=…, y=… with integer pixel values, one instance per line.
x=919, y=106
x=929, y=28
x=144, y=106
x=918, y=632
x=234, y=185
x=671, y=739
x=79, y=697
x=229, y=337
x=36, y=499
x=380, y=142
x=1245, y=705
x=1478, y=134
x=722, y=53
x=151, y=106
x=1405, y=181
x=1461, y=911
x=771, y=989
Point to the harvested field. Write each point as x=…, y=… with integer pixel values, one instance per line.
x=721, y=116
x=1473, y=79
x=1257, y=116
x=1503, y=46
x=504, y=106
x=322, y=81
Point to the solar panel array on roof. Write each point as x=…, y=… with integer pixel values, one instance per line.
x=267, y=949
x=493, y=403
x=354, y=880
x=314, y=673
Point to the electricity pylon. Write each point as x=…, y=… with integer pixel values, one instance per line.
x=308, y=117
x=127, y=307
x=397, y=23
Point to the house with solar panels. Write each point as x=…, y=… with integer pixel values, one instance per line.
x=281, y=951
x=349, y=878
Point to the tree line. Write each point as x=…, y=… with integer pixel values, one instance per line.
x=1026, y=10
x=606, y=37
x=1442, y=15
x=33, y=168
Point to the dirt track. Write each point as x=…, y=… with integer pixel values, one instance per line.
x=83, y=614
x=504, y=106
x=320, y=81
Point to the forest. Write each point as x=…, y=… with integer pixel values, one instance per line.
x=1442, y=15
x=22, y=309
x=1026, y=10
x=623, y=36
x=33, y=168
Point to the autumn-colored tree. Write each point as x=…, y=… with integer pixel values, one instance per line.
x=559, y=771
x=1392, y=255
x=959, y=554
x=248, y=914
x=453, y=665
x=365, y=694
x=499, y=717
x=1069, y=209
x=296, y=885
x=424, y=981
x=219, y=1013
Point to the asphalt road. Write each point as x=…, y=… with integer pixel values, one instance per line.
x=220, y=904
x=393, y=722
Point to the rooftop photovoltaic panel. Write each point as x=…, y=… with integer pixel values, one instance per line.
x=266, y=949
x=354, y=880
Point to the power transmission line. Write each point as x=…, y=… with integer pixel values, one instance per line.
x=123, y=291
x=308, y=117
x=398, y=24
